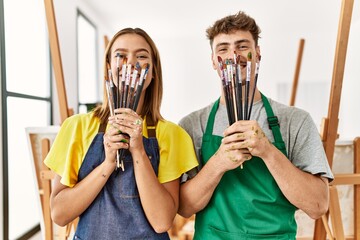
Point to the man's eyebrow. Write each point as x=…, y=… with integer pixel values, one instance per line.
x=222, y=44
x=242, y=41
x=236, y=42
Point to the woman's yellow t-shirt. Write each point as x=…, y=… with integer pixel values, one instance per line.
x=68, y=151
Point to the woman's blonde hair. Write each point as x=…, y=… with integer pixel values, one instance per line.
x=153, y=93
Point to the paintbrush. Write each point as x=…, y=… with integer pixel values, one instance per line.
x=123, y=77
x=230, y=80
x=132, y=86
x=257, y=66
x=143, y=74
x=127, y=84
x=112, y=87
x=223, y=81
x=110, y=97
x=111, y=108
x=247, y=85
x=238, y=87
x=117, y=79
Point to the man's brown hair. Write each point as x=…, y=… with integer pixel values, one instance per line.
x=235, y=22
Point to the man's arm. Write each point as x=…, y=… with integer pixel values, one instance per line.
x=196, y=193
x=305, y=191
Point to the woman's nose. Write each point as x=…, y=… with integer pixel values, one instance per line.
x=132, y=60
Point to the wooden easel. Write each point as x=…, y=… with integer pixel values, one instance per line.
x=349, y=179
x=45, y=174
x=106, y=41
x=357, y=189
x=65, y=112
x=330, y=124
x=297, y=72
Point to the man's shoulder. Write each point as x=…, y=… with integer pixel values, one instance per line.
x=197, y=115
x=290, y=114
x=281, y=109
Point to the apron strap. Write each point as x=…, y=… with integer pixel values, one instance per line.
x=272, y=120
x=151, y=127
x=102, y=127
x=211, y=119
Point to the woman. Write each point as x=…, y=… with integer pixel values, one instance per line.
x=141, y=201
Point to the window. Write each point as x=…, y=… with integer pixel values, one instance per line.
x=87, y=64
x=26, y=101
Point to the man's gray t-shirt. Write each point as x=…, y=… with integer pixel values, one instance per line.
x=303, y=144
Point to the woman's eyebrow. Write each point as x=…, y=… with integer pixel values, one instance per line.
x=142, y=50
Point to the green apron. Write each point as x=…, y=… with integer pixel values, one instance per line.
x=247, y=203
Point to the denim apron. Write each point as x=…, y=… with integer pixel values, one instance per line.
x=116, y=213
x=247, y=203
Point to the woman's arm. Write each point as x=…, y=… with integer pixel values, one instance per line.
x=159, y=201
x=78, y=198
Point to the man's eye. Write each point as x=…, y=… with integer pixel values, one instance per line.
x=243, y=47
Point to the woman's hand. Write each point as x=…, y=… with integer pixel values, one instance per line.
x=126, y=130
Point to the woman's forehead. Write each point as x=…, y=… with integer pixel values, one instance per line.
x=130, y=42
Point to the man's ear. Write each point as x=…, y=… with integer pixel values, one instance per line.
x=258, y=54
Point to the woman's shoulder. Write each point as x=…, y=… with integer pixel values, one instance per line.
x=82, y=122
x=166, y=125
x=81, y=117
x=168, y=129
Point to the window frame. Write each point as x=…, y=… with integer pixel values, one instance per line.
x=4, y=101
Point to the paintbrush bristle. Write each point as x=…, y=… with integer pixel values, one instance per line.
x=145, y=65
x=118, y=60
x=238, y=59
x=249, y=56
x=219, y=59
x=137, y=66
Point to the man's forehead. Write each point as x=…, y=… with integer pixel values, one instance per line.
x=234, y=38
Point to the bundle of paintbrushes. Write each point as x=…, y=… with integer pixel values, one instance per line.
x=230, y=74
x=127, y=91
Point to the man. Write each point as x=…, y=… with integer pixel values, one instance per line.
x=255, y=173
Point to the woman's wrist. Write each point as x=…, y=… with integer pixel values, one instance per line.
x=108, y=166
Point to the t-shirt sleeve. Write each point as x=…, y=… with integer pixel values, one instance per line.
x=308, y=152
x=177, y=154
x=66, y=153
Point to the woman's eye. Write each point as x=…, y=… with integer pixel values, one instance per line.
x=142, y=56
x=120, y=55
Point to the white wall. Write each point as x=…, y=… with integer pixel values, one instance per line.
x=66, y=13
x=190, y=82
